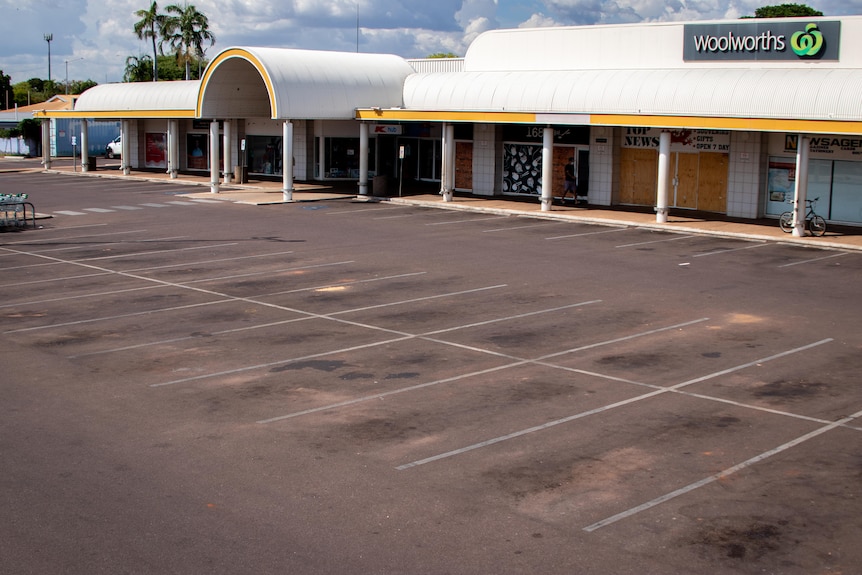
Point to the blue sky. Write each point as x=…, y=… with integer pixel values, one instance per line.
x=93, y=38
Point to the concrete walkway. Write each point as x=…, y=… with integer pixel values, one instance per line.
x=269, y=192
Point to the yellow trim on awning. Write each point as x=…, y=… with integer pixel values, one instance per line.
x=253, y=60
x=118, y=114
x=725, y=123
x=432, y=116
x=624, y=120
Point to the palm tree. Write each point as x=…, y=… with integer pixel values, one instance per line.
x=186, y=30
x=151, y=25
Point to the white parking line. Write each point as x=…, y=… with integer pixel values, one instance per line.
x=543, y=224
x=728, y=250
x=722, y=474
x=517, y=362
x=838, y=255
x=128, y=207
x=611, y=231
x=653, y=242
x=604, y=408
x=467, y=221
x=99, y=210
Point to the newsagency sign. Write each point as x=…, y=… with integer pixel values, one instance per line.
x=763, y=40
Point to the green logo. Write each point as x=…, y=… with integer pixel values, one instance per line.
x=807, y=43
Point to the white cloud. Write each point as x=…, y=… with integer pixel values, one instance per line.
x=539, y=21
x=101, y=32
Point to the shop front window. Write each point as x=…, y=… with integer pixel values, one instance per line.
x=264, y=155
x=197, y=146
x=342, y=158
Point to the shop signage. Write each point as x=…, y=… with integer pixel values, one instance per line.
x=388, y=129
x=680, y=140
x=570, y=135
x=762, y=40
x=827, y=146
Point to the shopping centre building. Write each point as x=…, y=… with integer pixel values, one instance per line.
x=724, y=117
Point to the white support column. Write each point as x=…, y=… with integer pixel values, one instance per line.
x=547, y=169
x=663, y=174
x=46, y=143
x=175, y=153
x=800, y=188
x=85, y=144
x=287, y=161
x=125, y=147
x=321, y=150
x=363, y=159
x=214, y=148
x=172, y=142
x=450, y=159
x=444, y=166
x=169, y=140
x=228, y=168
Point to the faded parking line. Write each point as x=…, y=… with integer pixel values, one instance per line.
x=604, y=408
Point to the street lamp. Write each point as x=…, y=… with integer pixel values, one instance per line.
x=67, y=72
x=48, y=38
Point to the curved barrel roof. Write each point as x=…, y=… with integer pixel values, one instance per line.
x=811, y=93
x=140, y=99
x=287, y=83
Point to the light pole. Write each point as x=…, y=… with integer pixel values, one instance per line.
x=48, y=38
x=67, y=72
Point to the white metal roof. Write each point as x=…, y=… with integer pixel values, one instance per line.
x=642, y=46
x=813, y=94
x=150, y=99
x=286, y=83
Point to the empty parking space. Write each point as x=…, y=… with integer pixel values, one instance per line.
x=545, y=397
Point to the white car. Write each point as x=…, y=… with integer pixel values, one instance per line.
x=114, y=149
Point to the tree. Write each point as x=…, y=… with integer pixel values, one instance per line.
x=443, y=55
x=786, y=11
x=139, y=69
x=5, y=91
x=31, y=131
x=151, y=25
x=186, y=31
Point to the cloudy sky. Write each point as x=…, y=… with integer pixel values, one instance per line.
x=93, y=38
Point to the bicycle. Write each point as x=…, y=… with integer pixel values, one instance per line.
x=813, y=223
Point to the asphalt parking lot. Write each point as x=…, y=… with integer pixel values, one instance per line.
x=198, y=386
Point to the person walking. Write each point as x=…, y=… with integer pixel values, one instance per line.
x=570, y=182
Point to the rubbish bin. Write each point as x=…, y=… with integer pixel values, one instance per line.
x=240, y=174
x=91, y=163
x=379, y=186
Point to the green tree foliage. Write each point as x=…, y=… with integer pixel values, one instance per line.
x=6, y=94
x=37, y=90
x=151, y=26
x=785, y=11
x=186, y=30
x=443, y=55
x=140, y=69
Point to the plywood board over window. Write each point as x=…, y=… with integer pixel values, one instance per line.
x=464, y=165
x=638, y=176
x=712, y=183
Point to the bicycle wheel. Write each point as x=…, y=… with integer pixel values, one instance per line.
x=785, y=222
x=817, y=225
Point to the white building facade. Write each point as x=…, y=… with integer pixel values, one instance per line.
x=717, y=117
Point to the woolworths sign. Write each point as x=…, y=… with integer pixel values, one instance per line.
x=763, y=40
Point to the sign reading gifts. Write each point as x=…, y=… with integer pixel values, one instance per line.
x=680, y=140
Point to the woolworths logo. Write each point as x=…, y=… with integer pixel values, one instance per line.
x=807, y=43
x=762, y=40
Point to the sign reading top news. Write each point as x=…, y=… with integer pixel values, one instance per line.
x=763, y=40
